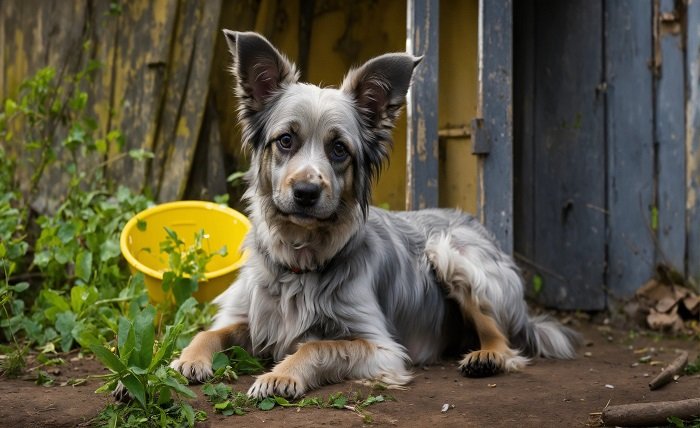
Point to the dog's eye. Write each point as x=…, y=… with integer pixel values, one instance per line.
x=284, y=142
x=339, y=152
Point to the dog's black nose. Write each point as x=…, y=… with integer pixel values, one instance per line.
x=306, y=194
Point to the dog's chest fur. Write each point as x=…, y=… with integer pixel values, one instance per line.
x=289, y=308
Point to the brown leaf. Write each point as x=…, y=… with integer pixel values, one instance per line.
x=666, y=304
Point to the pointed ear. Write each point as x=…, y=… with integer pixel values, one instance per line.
x=379, y=87
x=260, y=70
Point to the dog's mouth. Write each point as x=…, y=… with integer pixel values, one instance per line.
x=305, y=219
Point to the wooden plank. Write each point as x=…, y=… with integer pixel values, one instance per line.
x=569, y=120
x=2, y=51
x=143, y=52
x=59, y=39
x=524, y=80
x=692, y=140
x=422, y=106
x=630, y=145
x=670, y=131
x=191, y=110
x=208, y=181
x=495, y=188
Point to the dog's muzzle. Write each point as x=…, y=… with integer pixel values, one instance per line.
x=306, y=194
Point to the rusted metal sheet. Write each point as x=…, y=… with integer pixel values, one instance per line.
x=422, y=108
x=670, y=130
x=495, y=188
x=692, y=140
x=202, y=24
x=630, y=145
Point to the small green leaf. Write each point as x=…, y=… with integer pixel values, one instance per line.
x=140, y=154
x=235, y=177
x=339, y=402
x=654, y=218
x=66, y=232
x=281, y=401
x=219, y=360
x=141, y=225
x=144, y=335
x=223, y=405
x=10, y=107
x=268, y=403
x=125, y=339
x=166, y=348
x=19, y=287
x=109, y=250
x=83, y=265
x=108, y=358
x=136, y=388
x=537, y=283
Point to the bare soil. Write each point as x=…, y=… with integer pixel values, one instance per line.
x=546, y=393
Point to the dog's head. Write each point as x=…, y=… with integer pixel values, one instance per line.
x=316, y=150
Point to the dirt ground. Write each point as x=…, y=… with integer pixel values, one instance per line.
x=546, y=393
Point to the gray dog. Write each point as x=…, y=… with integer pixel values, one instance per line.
x=334, y=288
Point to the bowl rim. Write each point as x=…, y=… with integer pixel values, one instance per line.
x=168, y=206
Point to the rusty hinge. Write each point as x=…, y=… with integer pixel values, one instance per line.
x=481, y=143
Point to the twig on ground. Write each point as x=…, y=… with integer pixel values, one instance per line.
x=667, y=374
x=650, y=414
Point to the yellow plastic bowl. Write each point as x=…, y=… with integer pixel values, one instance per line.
x=223, y=225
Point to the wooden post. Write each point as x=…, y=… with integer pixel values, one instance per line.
x=422, y=106
x=692, y=140
x=495, y=130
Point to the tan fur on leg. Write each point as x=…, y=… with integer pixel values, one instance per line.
x=495, y=354
x=316, y=363
x=195, y=361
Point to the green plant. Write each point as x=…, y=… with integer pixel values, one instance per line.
x=228, y=402
x=141, y=368
x=187, y=264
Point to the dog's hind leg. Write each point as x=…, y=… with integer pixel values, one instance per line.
x=195, y=361
x=462, y=279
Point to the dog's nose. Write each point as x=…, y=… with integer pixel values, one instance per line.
x=306, y=194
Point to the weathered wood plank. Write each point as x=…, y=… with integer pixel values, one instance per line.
x=59, y=38
x=630, y=141
x=2, y=52
x=670, y=131
x=191, y=110
x=692, y=140
x=422, y=107
x=103, y=32
x=524, y=79
x=570, y=154
x=495, y=188
x=208, y=176
x=143, y=52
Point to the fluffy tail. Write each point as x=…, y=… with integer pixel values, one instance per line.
x=547, y=338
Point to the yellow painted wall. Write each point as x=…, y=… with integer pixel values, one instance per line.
x=458, y=101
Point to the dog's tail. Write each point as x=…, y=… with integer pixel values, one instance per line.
x=546, y=337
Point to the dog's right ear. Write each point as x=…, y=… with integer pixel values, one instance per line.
x=260, y=70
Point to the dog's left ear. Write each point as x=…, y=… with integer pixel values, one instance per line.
x=379, y=87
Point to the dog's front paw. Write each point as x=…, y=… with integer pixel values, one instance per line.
x=198, y=370
x=482, y=363
x=275, y=384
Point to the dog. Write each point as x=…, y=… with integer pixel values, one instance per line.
x=334, y=288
